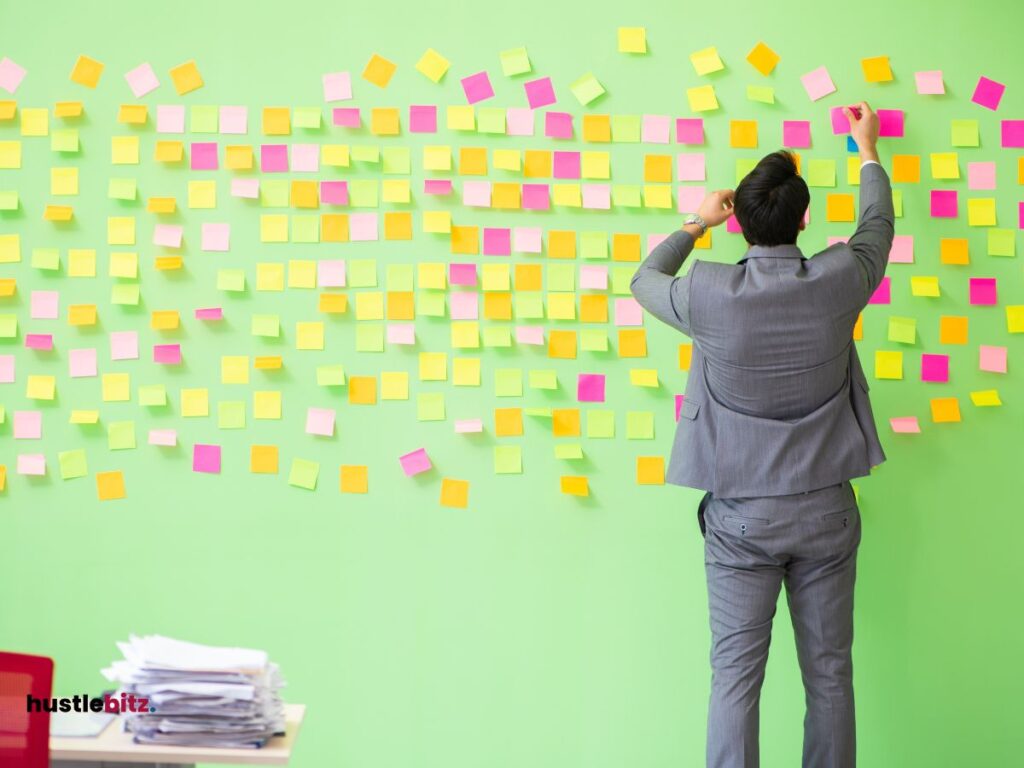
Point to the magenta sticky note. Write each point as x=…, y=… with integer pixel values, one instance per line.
x=902, y=250
x=141, y=80
x=930, y=82
x=460, y=273
x=477, y=87
x=467, y=426
x=330, y=273
x=464, y=305
x=401, y=333
x=1020, y=215
x=167, y=354
x=40, y=341
x=11, y=75
x=689, y=198
x=1012, y=133
x=904, y=424
x=203, y=156
x=890, y=123
x=679, y=400
x=590, y=387
x=690, y=130
x=206, y=458
x=526, y=239
x=690, y=166
x=840, y=123
x=732, y=225
x=216, y=236
x=519, y=121
x=334, y=192
x=45, y=305
x=539, y=92
x=422, y=118
x=209, y=313
x=983, y=290
x=882, y=294
x=497, y=241
x=320, y=421
x=363, y=227
x=530, y=334
x=796, y=134
x=245, y=188
x=124, y=345
x=655, y=129
x=273, y=158
x=82, y=363
x=476, y=193
x=346, y=117
x=415, y=462
x=437, y=186
x=944, y=203
x=168, y=235
x=594, y=277
x=337, y=86
x=988, y=93
x=934, y=367
x=566, y=164
x=163, y=437
x=28, y=425
x=597, y=196
x=32, y=464
x=305, y=158
x=981, y=175
x=558, y=125
x=992, y=359
x=7, y=369
x=628, y=312
x=170, y=118
x=536, y=197
x=818, y=83
x=234, y=119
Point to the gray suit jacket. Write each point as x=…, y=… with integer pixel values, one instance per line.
x=776, y=400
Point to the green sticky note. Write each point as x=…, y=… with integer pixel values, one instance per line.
x=626, y=129
x=508, y=460
x=821, y=173
x=764, y=94
x=627, y=196
x=544, y=379
x=1002, y=242
x=153, y=395
x=586, y=88
x=639, y=425
x=366, y=153
x=490, y=120
x=304, y=474
x=561, y=277
x=362, y=193
x=601, y=423
x=203, y=119
x=508, y=382
x=903, y=329
x=121, y=435
x=72, y=464
x=430, y=406
x=125, y=294
x=122, y=189
x=306, y=117
x=593, y=340
x=964, y=133
x=369, y=337
x=543, y=412
x=8, y=326
x=499, y=336
x=621, y=278
x=399, y=277
x=515, y=61
x=305, y=228
x=744, y=165
x=65, y=140
x=529, y=306
x=569, y=451
x=361, y=273
x=430, y=303
x=274, y=193
x=397, y=160
x=9, y=200
x=231, y=280
x=266, y=325
x=231, y=414
x=897, y=203
x=330, y=375
x=46, y=258
x=594, y=245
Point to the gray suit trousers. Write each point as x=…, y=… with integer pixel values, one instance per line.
x=752, y=546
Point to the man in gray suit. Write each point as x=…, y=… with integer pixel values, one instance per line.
x=775, y=422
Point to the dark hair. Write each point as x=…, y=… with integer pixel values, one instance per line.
x=771, y=200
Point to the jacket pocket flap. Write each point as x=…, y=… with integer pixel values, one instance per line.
x=689, y=409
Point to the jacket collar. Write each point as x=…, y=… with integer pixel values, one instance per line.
x=788, y=251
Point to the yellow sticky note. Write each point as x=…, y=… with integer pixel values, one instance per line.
x=876, y=69
x=277, y=121
x=384, y=121
x=1015, y=318
x=574, y=485
x=195, y=403
x=124, y=150
x=132, y=114
x=266, y=404
x=40, y=387
x=110, y=485
x=84, y=417
x=432, y=65
x=202, y=194
x=64, y=181
x=650, y=470
x=454, y=493
x=986, y=397
x=58, y=213
x=86, y=72
x=169, y=151
x=632, y=40
x=643, y=377
x=309, y=335
x=35, y=121
x=394, y=385
x=702, y=98
x=234, y=369
x=981, y=211
x=706, y=61
x=164, y=319
x=354, y=478
x=924, y=285
x=238, y=157
x=945, y=165
x=888, y=365
x=379, y=70
x=116, y=387
x=10, y=154
x=121, y=230
x=186, y=77
x=263, y=459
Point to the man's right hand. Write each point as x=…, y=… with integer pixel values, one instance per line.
x=864, y=129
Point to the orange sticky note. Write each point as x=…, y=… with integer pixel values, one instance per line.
x=562, y=344
x=68, y=109
x=650, y=470
x=164, y=319
x=465, y=240
x=763, y=58
x=82, y=314
x=954, y=250
x=906, y=168
x=565, y=422
x=277, y=121
x=354, y=478
x=658, y=169
x=945, y=409
x=685, y=356
x=575, y=485
x=268, y=363
x=333, y=303
x=743, y=134
x=454, y=493
x=839, y=207
x=384, y=121
x=263, y=459
x=132, y=114
x=58, y=213
x=87, y=72
x=161, y=205
x=876, y=69
x=186, y=77
x=379, y=71
x=508, y=422
x=362, y=390
x=597, y=128
x=952, y=329
x=632, y=342
x=110, y=485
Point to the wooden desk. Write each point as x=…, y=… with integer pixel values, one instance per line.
x=114, y=747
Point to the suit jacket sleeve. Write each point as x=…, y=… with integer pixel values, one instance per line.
x=658, y=289
x=875, y=230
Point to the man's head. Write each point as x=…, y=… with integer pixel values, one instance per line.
x=771, y=200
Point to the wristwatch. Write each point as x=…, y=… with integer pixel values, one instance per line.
x=696, y=218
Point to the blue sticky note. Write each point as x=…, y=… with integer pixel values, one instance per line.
x=851, y=145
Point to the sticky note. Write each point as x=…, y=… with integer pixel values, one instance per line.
x=186, y=78
x=539, y=92
x=902, y=329
x=983, y=290
x=477, y=87
x=415, y=462
x=992, y=359
x=876, y=69
x=379, y=71
x=304, y=474
x=432, y=65
x=110, y=485
x=586, y=88
x=818, y=83
x=988, y=93
x=888, y=364
x=206, y=458
x=945, y=409
x=574, y=485
x=905, y=424
x=141, y=80
x=934, y=367
x=929, y=82
x=706, y=61
x=11, y=75
x=515, y=61
x=702, y=98
x=944, y=203
x=454, y=493
x=87, y=72
x=763, y=59
x=632, y=40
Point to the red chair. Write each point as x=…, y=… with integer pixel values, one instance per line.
x=24, y=735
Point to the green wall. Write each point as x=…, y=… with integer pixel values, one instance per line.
x=531, y=629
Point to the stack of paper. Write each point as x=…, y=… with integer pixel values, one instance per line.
x=199, y=695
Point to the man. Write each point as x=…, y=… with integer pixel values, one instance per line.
x=775, y=421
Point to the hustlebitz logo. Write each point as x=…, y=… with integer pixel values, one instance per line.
x=126, y=702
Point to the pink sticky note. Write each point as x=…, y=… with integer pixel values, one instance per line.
x=690, y=166
x=983, y=290
x=6, y=369
x=464, y=305
x=882, y=294
x=234, y=120
x=944, y=203
x=558, y=125
x=437, y=186
x=992, y=359
x=40, y=341
x=203, y=156
x=45, y=305
x=346, y=117
x=476, y=193
x=930, y=82
x=981, y=175
x=422, y=118
x=209, y=313
x=462, y=274
x=904, y=424
x=468, y=426
x=245, y=188
x=530, y=334
x=690, y=130
x=818, y=83
x=690, y=198
x=167, y=354
x=497, y=241
x=273, y=158
x=597, y=196
x=330, y=273
x=590, y=387
x=988, y=93
x=142, y=80
x=168, y=235
x=890, y=123
x=539, y=92
x=679, y=400
x=216, y=236
x=363, y=227
x=628, y=312
x=170, y=118
x=796, y=134
x=732, y=225
x=536, y=197
x=477, y=87
x=334, y=192
x=519, y=121
x=934, y=367
x=305, y=158
x=82, y=363
x=337, y=86
x=32, y=464
x=594, y=277
x=902, y=250
x=11, y=75
x=1012, y=133
x=526, y=239
x=840, y=123
x=415, y=462
x=655, y=129
x=320, y=421
x=833, y=239
x=566, y=164
x=28, y=425
x=206, y=458
x=124, y=345
x=163, y=437
x=401, y=333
